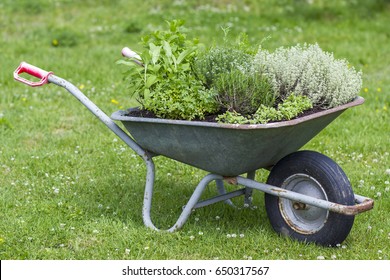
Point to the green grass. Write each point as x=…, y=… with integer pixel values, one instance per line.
x=70, y=190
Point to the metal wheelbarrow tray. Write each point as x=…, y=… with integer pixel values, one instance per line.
x=307, y=195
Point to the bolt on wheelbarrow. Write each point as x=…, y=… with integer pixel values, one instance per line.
x=307, y=195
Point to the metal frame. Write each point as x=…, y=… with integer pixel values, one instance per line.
x=362, y=203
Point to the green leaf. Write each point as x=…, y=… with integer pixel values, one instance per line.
x=154, y=52
x=151, y=79
x=184, y=54
x=167, y=49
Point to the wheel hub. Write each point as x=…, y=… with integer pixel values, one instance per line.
x=301, y=217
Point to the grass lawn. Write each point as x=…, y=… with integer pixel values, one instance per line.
x=70, y=189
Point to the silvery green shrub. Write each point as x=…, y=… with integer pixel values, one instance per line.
x=308, y=70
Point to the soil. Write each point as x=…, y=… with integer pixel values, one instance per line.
x=141, y=113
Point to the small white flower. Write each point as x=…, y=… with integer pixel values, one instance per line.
x=334, y=257
x=369, y=227
x=146, y=248
x=56, y=190
x=217, y=217
x=95, y=231
x=234, y=235
x=387, y=171
x=192, y=237
x=196, y=219
x=200, y=232
x=242, y=235
x=372, y=188
x=379, y=251
x=320, y=258
x=127, y=251
x=228, y=235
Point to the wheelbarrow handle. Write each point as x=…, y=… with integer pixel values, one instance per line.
x=34, y=71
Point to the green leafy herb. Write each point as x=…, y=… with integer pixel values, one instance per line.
x=167, y=85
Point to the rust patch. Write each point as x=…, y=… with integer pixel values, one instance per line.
x=278, y=190
x=352, y=210
x=231, y=180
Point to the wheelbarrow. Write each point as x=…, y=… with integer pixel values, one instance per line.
x=307, y=195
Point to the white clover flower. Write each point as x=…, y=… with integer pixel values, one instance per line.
x=192, y=237
x=387, y=171
x=320, y=258
x=127, y=251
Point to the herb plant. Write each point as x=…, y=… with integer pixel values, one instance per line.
x=286, y=110
x=230, y=73
x=166, y=84
x=311, y=72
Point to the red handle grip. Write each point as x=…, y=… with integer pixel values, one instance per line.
x=24, y=67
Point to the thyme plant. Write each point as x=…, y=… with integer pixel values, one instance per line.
x=308, y=70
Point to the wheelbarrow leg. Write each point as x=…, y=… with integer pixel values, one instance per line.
x=247, y=195
x=221, y=190
x=248, y=191
x=148, y=195
x=150, y=174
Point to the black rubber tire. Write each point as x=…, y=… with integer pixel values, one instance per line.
x=332, y=181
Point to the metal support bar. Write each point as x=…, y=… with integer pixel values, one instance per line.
x=186, y=210
x=218, y=198
x=248, y=191
x=221, y=190
x=364, y=205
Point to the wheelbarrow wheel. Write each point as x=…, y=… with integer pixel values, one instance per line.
x=316, y=175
